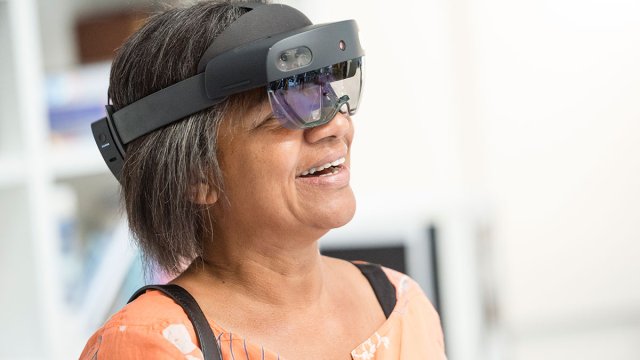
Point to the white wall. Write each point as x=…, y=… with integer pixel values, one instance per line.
x=554, y=97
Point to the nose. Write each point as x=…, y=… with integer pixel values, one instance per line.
x=339, y=127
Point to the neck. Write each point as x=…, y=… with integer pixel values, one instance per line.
x=269, y=270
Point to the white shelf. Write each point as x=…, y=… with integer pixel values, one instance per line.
x=26, y=227
x=76, y=159
x=110, y=274
x=9, y=117
x=44, y=149
x=12, y=170
x=112, y=271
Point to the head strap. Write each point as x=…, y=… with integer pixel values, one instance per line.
x=261, y=21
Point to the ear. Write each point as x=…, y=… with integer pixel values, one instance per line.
x=203, y=194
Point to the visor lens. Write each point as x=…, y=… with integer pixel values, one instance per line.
x=315, y=97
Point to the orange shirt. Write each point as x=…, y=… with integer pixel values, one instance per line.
x=154, y=327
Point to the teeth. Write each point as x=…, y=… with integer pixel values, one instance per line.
x=335, y=163
x=338, y=162
x=322, y=167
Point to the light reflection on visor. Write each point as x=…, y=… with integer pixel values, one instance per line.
x=315, y=97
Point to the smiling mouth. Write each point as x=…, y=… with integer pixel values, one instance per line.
x=324, y=170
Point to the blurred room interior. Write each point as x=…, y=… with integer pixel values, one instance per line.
x=495, y=161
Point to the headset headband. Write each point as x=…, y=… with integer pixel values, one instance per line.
x=242, y=57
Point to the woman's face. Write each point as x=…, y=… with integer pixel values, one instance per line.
x=265, y=169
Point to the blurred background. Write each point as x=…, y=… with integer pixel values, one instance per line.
x=496, y=160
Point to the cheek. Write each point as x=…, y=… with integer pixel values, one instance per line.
x=261, y=171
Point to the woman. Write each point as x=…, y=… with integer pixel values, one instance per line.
x=230, y=187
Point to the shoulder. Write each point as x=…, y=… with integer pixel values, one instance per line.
x=413, y=309
x=152, y=326
x=409, y=292
x=405, y=286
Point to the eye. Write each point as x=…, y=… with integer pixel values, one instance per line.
x=268, y=122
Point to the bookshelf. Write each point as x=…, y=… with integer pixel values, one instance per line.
x=64, y=248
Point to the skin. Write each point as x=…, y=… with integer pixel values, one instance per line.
x=262, y=276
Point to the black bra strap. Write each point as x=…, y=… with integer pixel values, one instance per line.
x=205, y=336
x=382, y=287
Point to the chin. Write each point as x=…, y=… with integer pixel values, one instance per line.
x=337, y=213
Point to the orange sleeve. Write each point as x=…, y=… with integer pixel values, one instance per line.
x=151, y=327
x=141, y=342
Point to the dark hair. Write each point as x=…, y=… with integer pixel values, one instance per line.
x=161, y=167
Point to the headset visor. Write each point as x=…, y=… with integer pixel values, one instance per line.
x=313, y=98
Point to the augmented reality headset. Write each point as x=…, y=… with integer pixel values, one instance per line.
x=310, y=72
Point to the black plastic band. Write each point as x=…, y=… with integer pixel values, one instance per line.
x=108, y=142
x=162, y=108
x=206, y=338
x=382, y=286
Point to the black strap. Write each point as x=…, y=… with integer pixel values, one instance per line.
x=205, y=335
x=382, y=286
x=162, y=108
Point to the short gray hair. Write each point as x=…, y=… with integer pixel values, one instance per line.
x=161, y=167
